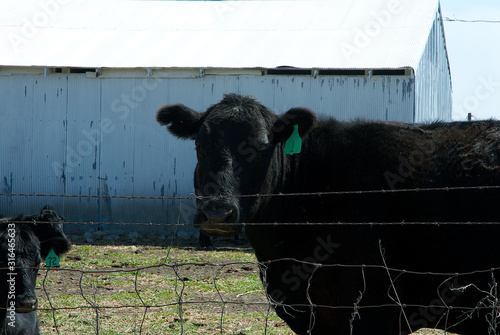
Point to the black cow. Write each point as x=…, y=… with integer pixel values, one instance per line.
x=22, y=248
x=350, y=275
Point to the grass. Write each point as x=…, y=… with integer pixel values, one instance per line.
x=155, y=290
x=109, y=289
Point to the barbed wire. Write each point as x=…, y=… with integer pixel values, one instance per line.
x=248, y=224
x=257, y=195
x=318, y=194
x=448, y=19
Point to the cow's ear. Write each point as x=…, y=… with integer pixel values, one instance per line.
x=51, y=236
x=180, y=120
x=283, y=126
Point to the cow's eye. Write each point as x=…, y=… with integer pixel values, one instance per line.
x=265, y=148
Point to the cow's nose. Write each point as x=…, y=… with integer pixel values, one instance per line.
x=218, y=214
x=26, y=304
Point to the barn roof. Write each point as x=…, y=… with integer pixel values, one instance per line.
x=341, y=34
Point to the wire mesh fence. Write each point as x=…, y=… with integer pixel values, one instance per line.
x=164, y=298
x=192, y=298
x=174, y=287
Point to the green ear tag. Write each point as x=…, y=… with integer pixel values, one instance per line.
x=52, y=260
x=294, y=143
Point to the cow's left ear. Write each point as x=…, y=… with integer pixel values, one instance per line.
x=51, y=236
x=283, y=126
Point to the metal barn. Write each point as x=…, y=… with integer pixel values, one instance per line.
x=80, y=82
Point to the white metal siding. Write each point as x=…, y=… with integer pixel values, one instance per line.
x=72, y=135
x=433, y=78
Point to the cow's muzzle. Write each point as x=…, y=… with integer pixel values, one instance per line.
x=218, y=219
x=26, y=304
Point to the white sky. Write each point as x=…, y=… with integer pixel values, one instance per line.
x=474, y=54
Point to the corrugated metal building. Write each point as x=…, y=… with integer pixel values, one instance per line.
x=80, y=82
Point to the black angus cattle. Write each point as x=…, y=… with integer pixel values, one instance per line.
x=344, y=277
x=22, y=247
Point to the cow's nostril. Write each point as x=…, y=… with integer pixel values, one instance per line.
x=27, y=304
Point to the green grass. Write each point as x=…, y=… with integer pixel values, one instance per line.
x=156, y=290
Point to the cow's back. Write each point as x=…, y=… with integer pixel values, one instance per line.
x=412, y=230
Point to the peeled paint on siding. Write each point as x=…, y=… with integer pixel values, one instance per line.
x=68, y=134
x=99, y=136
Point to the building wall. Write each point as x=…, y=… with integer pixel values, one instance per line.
x=433, y=78
x=74, y=135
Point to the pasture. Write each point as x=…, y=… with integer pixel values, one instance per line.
x=167, y=287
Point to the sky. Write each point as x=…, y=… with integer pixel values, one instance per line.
x=474, y=55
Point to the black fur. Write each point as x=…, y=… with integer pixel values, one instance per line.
x=240, y=152
x=183, y=122
x=32, y=236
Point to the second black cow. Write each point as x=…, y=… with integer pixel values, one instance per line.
x=343, y=256
x=25, y=240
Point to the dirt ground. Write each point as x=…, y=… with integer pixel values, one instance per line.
x=163, y=287
x=177, y=288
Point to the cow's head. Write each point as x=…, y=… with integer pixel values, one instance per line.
x=24, y=242
x=239, y=145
